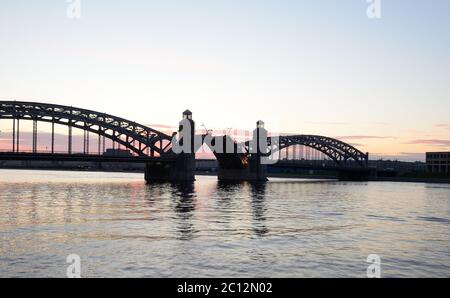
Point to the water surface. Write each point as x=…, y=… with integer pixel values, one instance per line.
x=121, y=227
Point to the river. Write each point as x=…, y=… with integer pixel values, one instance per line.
x=121, y=227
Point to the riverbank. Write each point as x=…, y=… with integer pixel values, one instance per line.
x=414, y=180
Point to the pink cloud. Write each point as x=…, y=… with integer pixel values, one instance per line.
x=363, y=137
x=430, y=142
x=444, y=126
x=356, y=144
x=156, y=126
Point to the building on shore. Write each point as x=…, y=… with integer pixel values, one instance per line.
x=438, y=162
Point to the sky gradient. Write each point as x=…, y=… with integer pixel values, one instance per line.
x=305, y=67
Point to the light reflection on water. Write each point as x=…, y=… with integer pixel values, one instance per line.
x=285, y=228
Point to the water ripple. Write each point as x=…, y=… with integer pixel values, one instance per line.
x=285, y=228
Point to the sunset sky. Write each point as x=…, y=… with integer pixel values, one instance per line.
x=304, y=67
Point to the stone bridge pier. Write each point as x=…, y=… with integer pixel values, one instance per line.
x=253, y=171
x=245, y=166
x=182, y=168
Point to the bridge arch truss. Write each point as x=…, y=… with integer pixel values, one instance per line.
x=341, y=153
x=139, y=139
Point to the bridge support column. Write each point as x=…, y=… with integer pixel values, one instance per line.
x=254, y=171
x=250, y=168
x=182, y=169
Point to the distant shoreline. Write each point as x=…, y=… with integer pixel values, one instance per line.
x=414, y=180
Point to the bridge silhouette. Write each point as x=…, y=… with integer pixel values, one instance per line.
x=160, y=151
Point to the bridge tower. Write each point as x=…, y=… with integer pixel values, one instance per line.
x=182, y=169
x=250, y=168
x=257, y=169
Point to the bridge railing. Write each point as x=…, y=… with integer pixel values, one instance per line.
x=77, y=152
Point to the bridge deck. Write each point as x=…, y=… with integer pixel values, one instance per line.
x=81, y=157
x=318, y=165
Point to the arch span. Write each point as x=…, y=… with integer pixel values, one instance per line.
x=340, y=152
x=134, y=136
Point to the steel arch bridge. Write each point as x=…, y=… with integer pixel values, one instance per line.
x=341, y=153
x=139, y=139
x=145, y=141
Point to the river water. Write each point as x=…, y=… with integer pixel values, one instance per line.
x=121, y=227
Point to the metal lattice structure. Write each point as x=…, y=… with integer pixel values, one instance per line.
x=145, y=141
x=336, y=150
x=138, y=138
x=341, y=153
